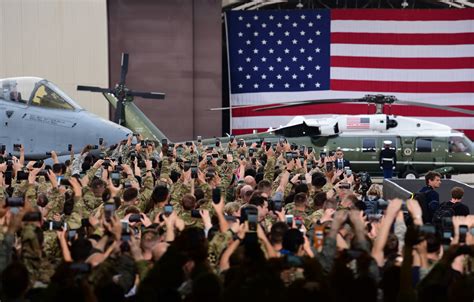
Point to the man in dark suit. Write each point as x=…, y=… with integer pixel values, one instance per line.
x=340, y=162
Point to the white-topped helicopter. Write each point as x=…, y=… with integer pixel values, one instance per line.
x=420, y=145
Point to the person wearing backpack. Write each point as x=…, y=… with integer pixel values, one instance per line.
x=459, y=208
x=431, y=197
x=454, y=207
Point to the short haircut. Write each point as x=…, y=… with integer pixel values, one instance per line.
x=277, y=232
x=132, y=210
x=257, y=200
x=457, y=192
x=352, y=198
x=189, y=202
x=80, y=249
x=250, y=172
x=431, y=175
x=264, y=185
x=301, y=188
x=130, y=194
x=199, y=193
x=330, y=203
x=97, y=182
x=300, y=199
x=160, y=194
x=318, y=180
x=319, y=199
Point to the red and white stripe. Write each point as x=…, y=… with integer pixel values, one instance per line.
x=416, y=55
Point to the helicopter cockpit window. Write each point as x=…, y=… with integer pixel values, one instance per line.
x=423, y=145
x=47, y=98
x=458, y=145
x=368, y=145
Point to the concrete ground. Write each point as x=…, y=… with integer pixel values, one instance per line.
x=465, y=178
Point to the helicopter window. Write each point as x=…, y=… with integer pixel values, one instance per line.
x=458, y=144
x=368, y=145
x=423, y=145
x=47, y=98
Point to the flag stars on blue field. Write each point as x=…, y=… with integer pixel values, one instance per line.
x=279, y=48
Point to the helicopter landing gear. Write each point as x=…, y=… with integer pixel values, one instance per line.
x=410, y=174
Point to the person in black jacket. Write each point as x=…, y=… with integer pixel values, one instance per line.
x=340, y=162
x=430, y=196
x=459, y=208
x=388, y=160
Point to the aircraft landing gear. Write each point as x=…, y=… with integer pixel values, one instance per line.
x=410, y=174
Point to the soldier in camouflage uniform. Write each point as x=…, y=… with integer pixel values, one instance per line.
x=299, y=209
x=187, y=204
x=92, y=195
x=32, y=256
x=159, y=198
x=130, y=198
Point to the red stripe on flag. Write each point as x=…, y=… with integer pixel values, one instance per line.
x=468, y=132
x=409, y=87
x=403, y=39
x=402, y=63
x=350, y=109
x=403, y=15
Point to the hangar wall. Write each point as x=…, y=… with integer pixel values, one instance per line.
x=64, y=41
x=175, y=47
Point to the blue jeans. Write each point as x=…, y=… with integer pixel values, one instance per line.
x=387, y=173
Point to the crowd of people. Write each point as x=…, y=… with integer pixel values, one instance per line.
x=231, y=222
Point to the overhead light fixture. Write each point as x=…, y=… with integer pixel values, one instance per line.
x=404, y=4
x=299, y=5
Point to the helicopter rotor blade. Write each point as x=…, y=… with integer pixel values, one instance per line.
x=148, y=95
x=303, y=103
x=233, y=107
x=453, y=109
x=93, y=89
x=123, y=68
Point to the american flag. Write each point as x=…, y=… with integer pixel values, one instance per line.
x=284, y=56
x=358, y=123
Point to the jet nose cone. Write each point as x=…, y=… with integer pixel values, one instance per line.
x=115, y=133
